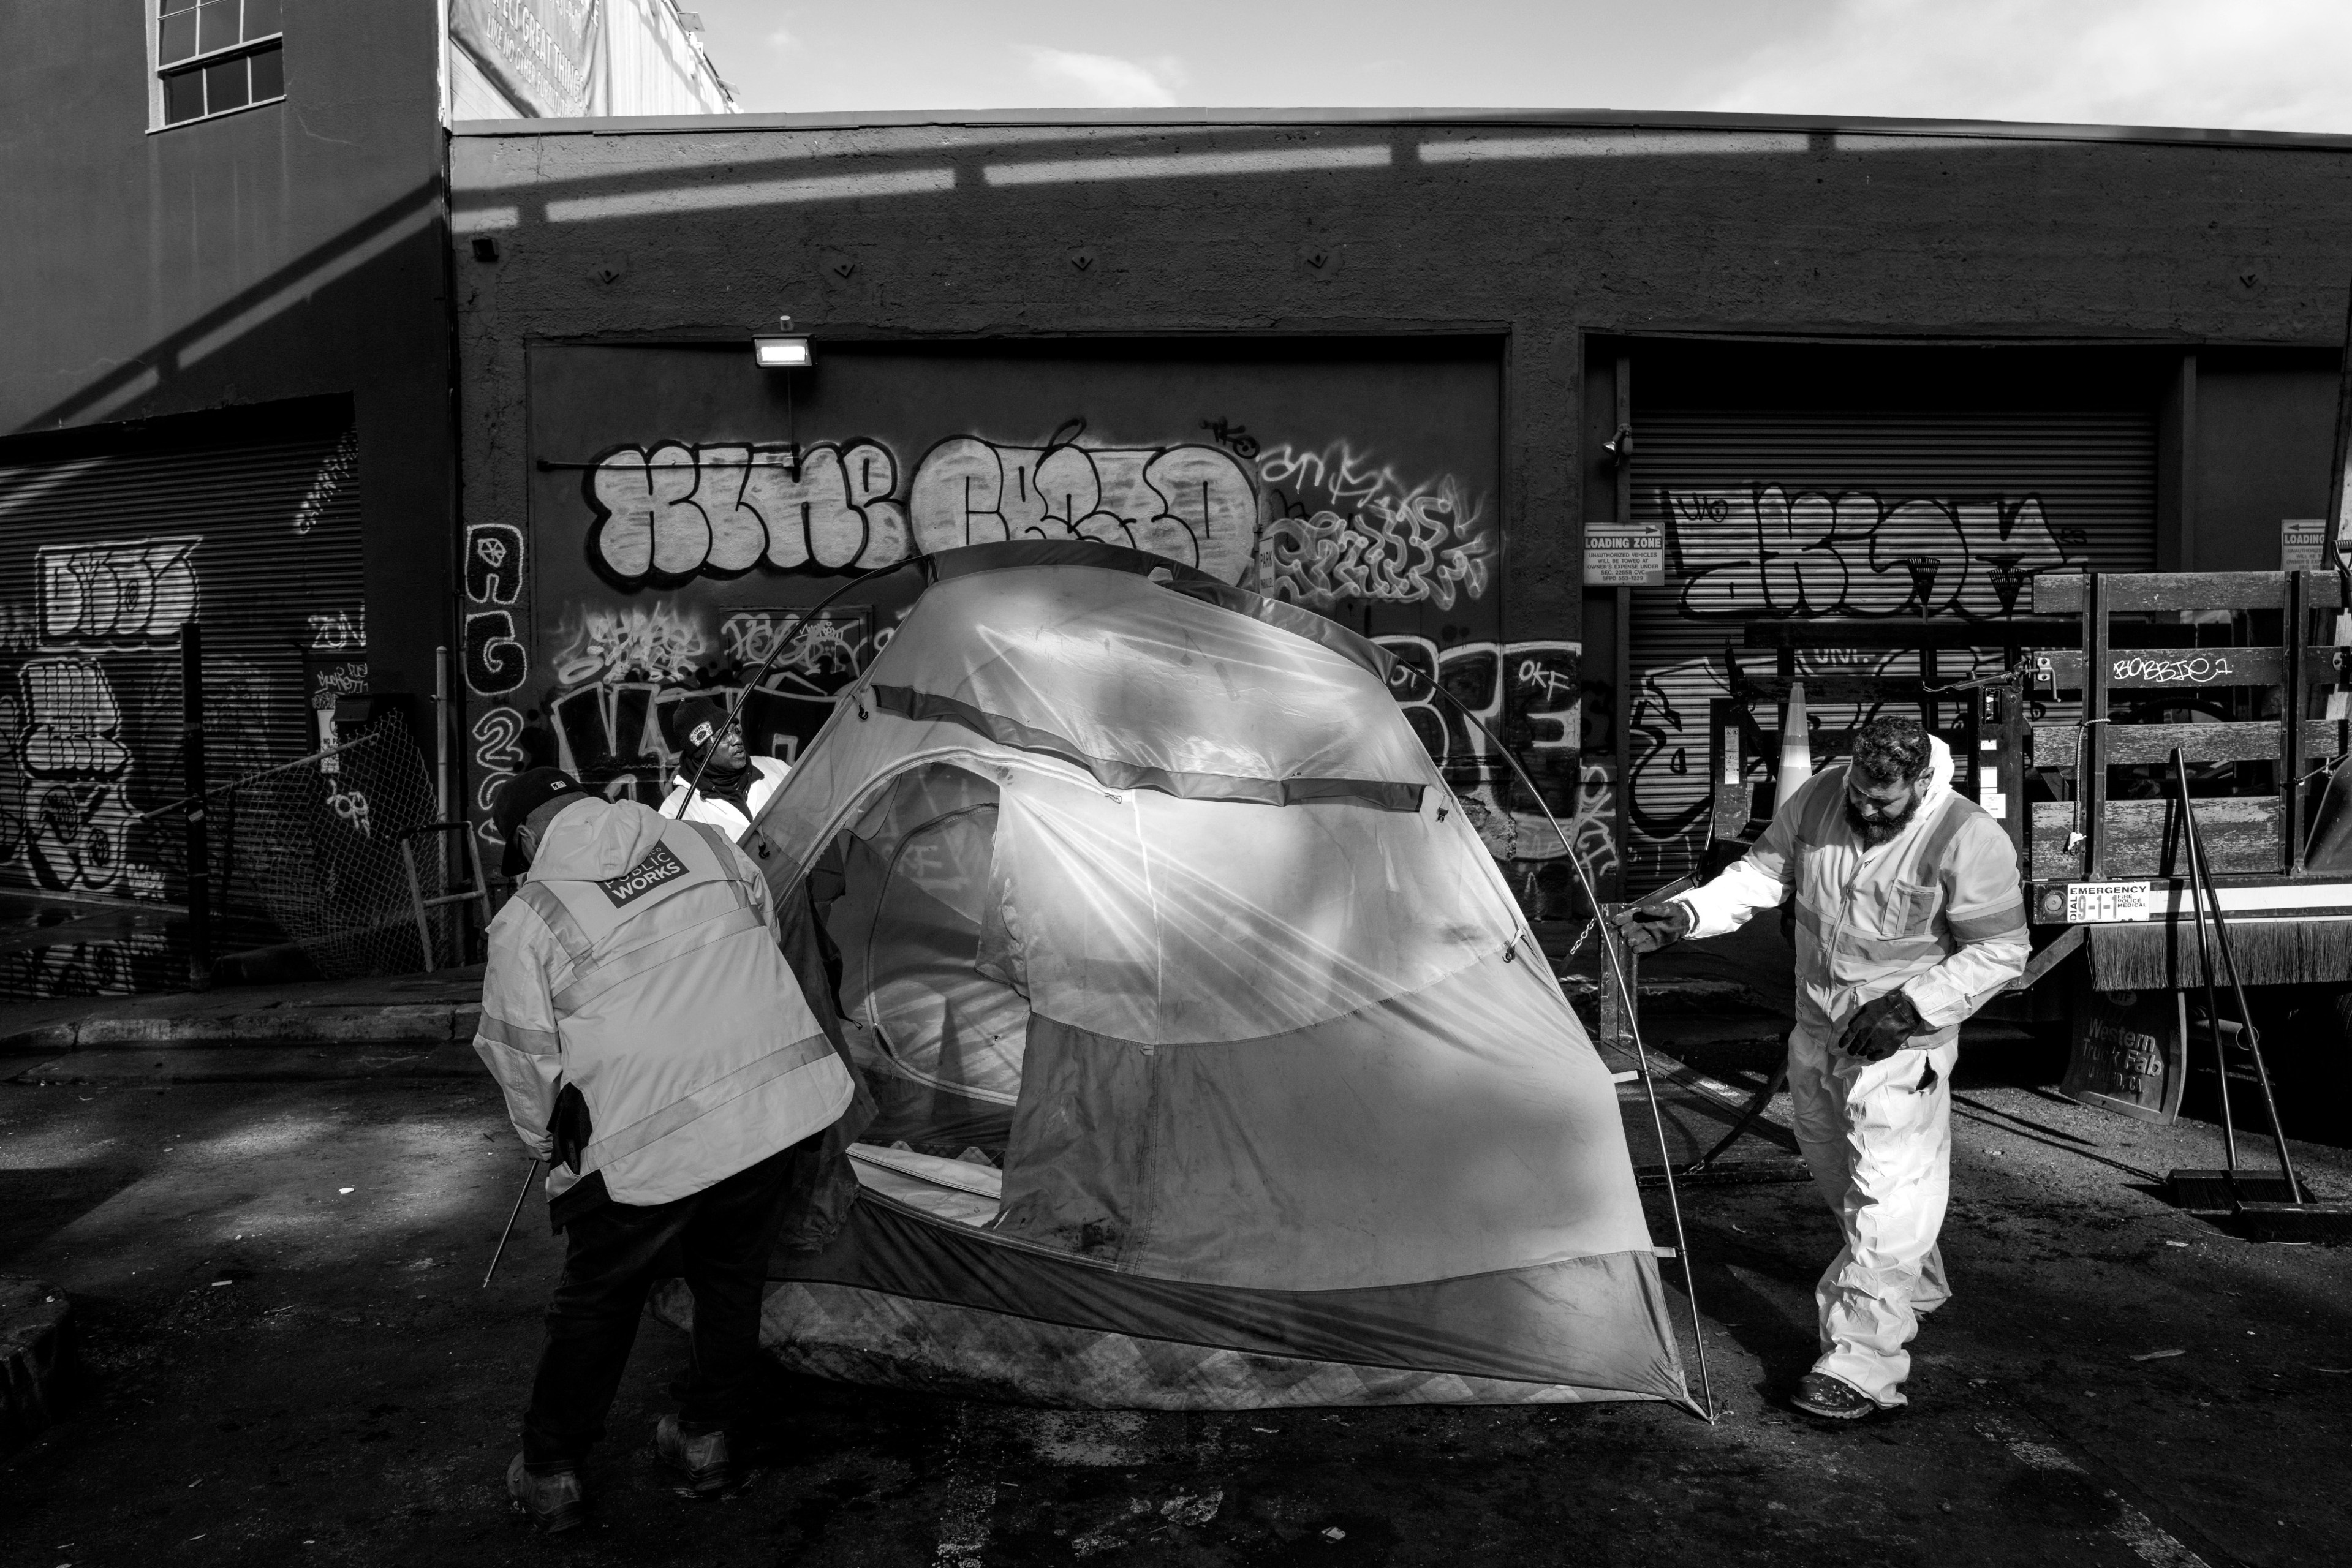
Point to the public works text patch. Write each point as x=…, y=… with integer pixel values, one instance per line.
x=641, y=878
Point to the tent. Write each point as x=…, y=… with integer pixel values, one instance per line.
x=1215, y=1065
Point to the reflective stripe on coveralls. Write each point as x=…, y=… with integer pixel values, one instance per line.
x=660, y=993
x=1937, y=912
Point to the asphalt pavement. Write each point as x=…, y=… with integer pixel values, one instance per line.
x=291, y=1359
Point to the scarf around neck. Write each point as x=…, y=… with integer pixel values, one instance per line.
x=732, y=785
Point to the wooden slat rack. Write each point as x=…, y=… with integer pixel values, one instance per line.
x=2267, y=696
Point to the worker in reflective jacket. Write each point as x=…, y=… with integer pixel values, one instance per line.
x=734, y=786
x=1908, y=919
x=655, y=1048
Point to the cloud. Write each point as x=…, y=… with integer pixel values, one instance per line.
x=1102, y=82
x=2268, y=64
x=782, y=40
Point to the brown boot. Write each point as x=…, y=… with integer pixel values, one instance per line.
x=552, y=1501
x=700, y=1457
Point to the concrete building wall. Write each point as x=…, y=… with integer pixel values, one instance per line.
x=1544, y=237
x=289, y=250
x=1545, y=233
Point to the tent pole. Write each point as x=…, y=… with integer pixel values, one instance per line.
x=1633, y=1027
x=735, y=709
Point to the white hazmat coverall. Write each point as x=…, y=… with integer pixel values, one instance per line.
x=1937, y=912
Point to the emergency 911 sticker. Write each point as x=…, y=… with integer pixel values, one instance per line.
x=2105, y=903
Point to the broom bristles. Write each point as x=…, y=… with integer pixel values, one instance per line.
x=2162, y=955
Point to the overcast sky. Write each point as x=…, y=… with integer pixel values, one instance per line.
x=2284, y=65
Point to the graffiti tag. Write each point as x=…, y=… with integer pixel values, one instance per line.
x=1525, y=691
x=825, y=644
x=1765, y=549
x=675, y=510
x=1347, y=529
x=1189, y=503
x=496, y=758
x=614, y=645
x=140, y=591
x=330, y=479
x=334, y=629
x=496, y=663
x=2178, y=672
x=493, y=563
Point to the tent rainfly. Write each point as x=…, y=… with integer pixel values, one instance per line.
x=1216, y=1068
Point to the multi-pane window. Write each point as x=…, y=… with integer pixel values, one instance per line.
x=214, y=55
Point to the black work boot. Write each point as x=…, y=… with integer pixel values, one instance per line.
x=1832, y=1398
x=553, y=1501
x=700, y=1457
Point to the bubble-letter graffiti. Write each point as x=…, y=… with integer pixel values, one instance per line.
x=127, y=591
x=495, y=660
x=1189, y=503
x=497, y=759
x=675, y=510
x=73, y=760
x=493, y=563
x=831, y=510
x=647, y=521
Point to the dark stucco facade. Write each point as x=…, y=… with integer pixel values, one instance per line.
x=1494, y=280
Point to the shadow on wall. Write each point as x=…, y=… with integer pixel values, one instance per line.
x=195, y=352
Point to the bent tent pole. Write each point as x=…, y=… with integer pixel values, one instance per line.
x=1633, y=1027
x=735, y=709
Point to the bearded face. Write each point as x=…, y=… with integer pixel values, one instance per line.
x=1879, y=809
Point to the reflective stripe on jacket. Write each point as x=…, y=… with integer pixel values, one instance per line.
x=1936, y=910
x=639, y=965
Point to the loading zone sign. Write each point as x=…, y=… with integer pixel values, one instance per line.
x=1624, y=555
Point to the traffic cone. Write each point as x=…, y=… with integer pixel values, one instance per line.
x=1796, y=750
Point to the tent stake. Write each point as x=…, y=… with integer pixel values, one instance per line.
x=1633, y=1027
x=526, y=1178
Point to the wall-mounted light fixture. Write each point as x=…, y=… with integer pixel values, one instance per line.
x=783, y=349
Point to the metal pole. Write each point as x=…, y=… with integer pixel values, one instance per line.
x=441, y=733
x=528, y=1177
x=447, y=851
x=192, y=752
x=2245, y=1013
x=2205, y=960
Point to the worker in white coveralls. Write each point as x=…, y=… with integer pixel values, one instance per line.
x=735, y=787
x=1908, y=919
x=655, y=1048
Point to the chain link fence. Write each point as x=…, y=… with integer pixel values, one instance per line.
x=324, y=842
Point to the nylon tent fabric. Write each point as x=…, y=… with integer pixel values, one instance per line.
x=1216, y=1066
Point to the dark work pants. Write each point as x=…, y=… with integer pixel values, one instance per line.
x=719, y=1240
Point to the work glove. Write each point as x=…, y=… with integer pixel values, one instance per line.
x=1647, y=927
x=1882, y=1028
x=569, y=1131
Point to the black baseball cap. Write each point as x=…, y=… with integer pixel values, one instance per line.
x=526, y=793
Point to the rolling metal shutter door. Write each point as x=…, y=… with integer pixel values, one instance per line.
x=1846, y=515
x=109, y=553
